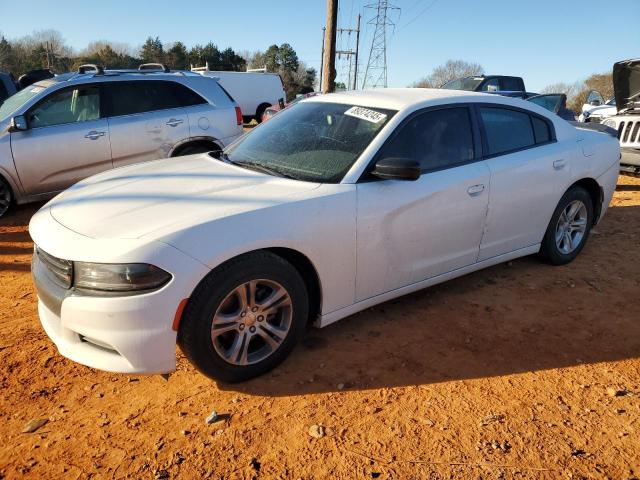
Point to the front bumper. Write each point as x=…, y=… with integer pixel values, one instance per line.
x=127, y=334
x=630, y=160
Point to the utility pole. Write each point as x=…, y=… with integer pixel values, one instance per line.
x=350, y=54
x=376, y=73
x=322, y=57
x=329, y=56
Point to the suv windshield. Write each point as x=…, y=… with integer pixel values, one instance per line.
x=466, y=83
x=16, y=100
x=310, y=141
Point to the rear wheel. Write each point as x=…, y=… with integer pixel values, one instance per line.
x=569, y=227
x=245, y=317
x=260, y=111
x=6, y=197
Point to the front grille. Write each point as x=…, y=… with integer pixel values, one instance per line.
x=629, y=133
x=60, y=271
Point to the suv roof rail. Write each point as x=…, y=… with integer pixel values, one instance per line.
x=154, y=66
x=91, y=66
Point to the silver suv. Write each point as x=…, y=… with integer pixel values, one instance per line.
x=61, y=130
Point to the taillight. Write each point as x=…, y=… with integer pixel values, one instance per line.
x=238, y=116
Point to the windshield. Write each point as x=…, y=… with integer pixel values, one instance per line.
x=310, y=141
x=16, y=100
x=466, y=83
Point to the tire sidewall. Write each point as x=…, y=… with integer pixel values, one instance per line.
x=549, y=248
x=195, y=330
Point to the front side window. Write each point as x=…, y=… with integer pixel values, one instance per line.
x=436, y=139
x=70, y=105
x=506, y=130
x=140, y=96
x=311, y=141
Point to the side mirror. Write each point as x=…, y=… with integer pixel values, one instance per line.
x=397, y=169
x=18, y=124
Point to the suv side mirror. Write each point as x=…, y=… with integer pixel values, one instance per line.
x=397, y=169
x=18, y=124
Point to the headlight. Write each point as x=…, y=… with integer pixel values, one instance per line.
x=122, y=277
x=609, y=122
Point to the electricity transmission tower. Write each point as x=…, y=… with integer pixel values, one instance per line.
x=376, y=73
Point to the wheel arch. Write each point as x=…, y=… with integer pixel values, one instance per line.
x=596, y=192
x=261, y=108
x=195, y=141
x=309, y=274
x=16, y=192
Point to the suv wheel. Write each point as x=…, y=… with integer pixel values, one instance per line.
x=6, y=197
x=569, y=227
x=245, y=317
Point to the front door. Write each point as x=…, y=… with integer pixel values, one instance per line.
x=66, y=141
x=146, y=120
x=409, y=231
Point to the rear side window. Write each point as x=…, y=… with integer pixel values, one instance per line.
x=506, y=130
x=126, y=98
x=436, y=139
x=511, y=84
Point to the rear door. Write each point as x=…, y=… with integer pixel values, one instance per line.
x=529, y=170
x=67, y=140
x=146, y=120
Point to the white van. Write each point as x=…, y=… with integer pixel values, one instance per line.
x=253, y=91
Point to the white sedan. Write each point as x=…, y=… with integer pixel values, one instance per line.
x=336, y=204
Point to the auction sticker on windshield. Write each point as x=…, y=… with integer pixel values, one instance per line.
x=366, y=114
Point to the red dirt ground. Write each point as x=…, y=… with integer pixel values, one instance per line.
x=522, y=370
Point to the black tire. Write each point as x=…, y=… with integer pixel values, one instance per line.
x=195, y=332
x=198, y=148
x=6, y=197
x=260, y=111
x=550, y=250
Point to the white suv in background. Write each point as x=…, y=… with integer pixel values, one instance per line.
x=61, y=130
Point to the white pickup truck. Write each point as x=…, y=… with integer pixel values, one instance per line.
x=253, y=91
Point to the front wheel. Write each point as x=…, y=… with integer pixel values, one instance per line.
x=245, y=317
x=569, y=227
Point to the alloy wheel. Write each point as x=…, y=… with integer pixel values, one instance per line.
x=251, y=322
x=571, y=227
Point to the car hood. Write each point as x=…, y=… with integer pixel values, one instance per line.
x=134, y=201
x=626, y=83
x=601, y=110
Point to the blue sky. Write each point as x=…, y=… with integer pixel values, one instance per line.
x=544, y=41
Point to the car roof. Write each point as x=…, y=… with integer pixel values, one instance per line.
x=397, y=98
x=113, y=74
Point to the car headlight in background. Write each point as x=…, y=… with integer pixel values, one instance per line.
x=123, y=277
x=609, y=122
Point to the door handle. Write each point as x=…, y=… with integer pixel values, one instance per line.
x=174, y=122
x=475, y=190
x=559, y=164
x=94, y=135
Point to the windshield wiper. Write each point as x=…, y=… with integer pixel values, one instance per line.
x=261, y=167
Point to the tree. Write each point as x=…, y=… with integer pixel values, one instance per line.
x=152, y=51
x=177, y=57
x=451, y=70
